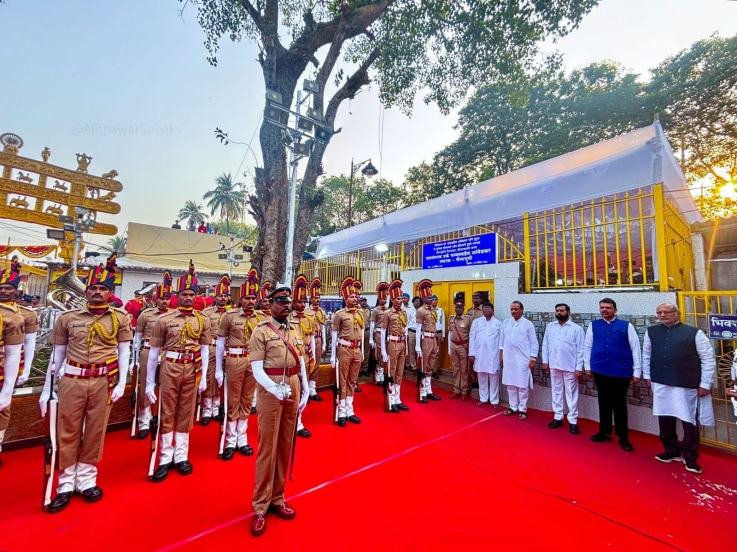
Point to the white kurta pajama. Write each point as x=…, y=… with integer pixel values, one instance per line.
x=563, y=353
x=519, y=343
x=484, y=347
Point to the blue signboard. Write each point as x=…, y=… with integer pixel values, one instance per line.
x=723, y=326
x=474, y=250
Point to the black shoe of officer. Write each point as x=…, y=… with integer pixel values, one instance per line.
x=254, y=410
x=394, y=409
x=142, y=434
x=93, y=494
x=184, y=468
x=161, y=472
x=403, y=407
x=304, y=432
x=316, y=397
x=205, y=420
x=60, y=502
x=246, y=450
x=341, y=421
x=433, y=397
x=354, y=419
x=228, y=453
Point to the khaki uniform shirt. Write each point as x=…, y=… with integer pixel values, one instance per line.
x=237, y=326
x=377, y=315
x=30, y=318
x=146, y=320
x=428, y=318
x=266, y=345
x=349, y=325
x=459, y=328
x=215, y=316
x=167, y=332
x=319, y=320
x=72, y=328
x=474, y=313
x=394, y=322
x=13, y=322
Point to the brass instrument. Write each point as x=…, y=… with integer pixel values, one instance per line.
x=147, y=293
x=69, y=293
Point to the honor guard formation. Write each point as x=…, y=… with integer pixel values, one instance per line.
x=196, y=359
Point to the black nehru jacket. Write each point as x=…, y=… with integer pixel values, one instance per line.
x=674, y=359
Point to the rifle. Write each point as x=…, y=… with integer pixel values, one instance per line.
x=198, y=410
x=385, y=386
x=50, y=442
x=223, y=414
x=155, y=424
x=336, y=392
x=134, y=399
x=291, y=454
x=419, y=375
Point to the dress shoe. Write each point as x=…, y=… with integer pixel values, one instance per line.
x=304, y=432
x=433, y=397
x=626, y=446
x=341, y=421
x=258, y=525
x=464, y=397
x=454, y=396
x=246, y=450
x=394, y=409
x=93, y=494
x=184, y=467
x=161, y=472
x=573, y=428
x=403, y=407
x=228, y=453
x=205, y=420
x=283, y=511
x=357, y=389
x=220, y=415
x=254, y=410
x=435, y=375
x=142, y=434
x=423, y=400
x=600, y=437
x=555, y=424
x=60, y=502
x=316, y=398
x=354, y=419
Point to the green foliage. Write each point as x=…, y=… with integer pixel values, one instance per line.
x=242, y=231
x=226, y=199
x=192, y=213
x=116, y=243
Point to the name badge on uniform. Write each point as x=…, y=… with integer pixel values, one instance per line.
x=173, y=326
x=299, y=341
x=80, y=325
x=237, y=323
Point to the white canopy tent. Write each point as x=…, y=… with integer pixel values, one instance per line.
x=638, y=159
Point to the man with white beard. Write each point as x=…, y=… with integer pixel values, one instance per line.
x=679, y=360
x=483, y=353
x=518, y=348
x=563, y=356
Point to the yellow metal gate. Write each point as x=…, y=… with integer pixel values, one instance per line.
x=695, y=306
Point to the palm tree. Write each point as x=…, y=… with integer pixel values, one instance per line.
x=116, y=244
x=226, y=199
x=191, y=213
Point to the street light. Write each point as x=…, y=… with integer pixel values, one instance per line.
x=78, y=225
x=369, y=170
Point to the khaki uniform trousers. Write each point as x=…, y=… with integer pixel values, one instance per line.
x=212, y=385
x=178, y=396
x=143, y=401
x=312, y=376
x=430, y=352
x=4, y=420
x=397, y=354
x=241, y=387
x=349, y=363
x=411, y=344
x=276, y=423
x=366, y=349
x=459, y=360
x=83, y=416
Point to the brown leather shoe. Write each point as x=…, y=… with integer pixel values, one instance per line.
x=454, y=395
x=283, y=510
x=258, y=525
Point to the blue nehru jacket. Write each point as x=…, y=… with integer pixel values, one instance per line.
x=610, y=352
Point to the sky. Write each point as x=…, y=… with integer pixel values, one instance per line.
x=128, y=83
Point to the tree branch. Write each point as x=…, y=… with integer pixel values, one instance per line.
x=351, y=86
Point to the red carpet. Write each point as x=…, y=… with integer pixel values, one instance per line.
x=445, y=475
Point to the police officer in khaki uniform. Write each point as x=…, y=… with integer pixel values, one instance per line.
x=211, y=395
x=142, y=346
x=301, y=316
x=277, y=359
x=427, y=339
x=394, y=345
x=91, y=345
x=347, y=343
x=30, y=329
x=182, y=338
x=375, y=327
x=11, y=336
x=475, y=311
x=234, y=334
x=319, y=319
x=459, y=328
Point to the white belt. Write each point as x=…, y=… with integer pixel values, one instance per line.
x=398, y=338
x=174, y=355
x=347, y=343
x=429, y=334
x=214, y=342
x=237, y=350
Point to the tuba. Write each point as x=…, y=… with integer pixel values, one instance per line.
x=146, y=293
x=70, y=289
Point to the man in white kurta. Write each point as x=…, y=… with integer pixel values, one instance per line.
x=563, y=356
x=483, y=353
x=679, y=360
x=518, y=349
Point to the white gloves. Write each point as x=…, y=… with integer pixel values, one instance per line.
x=124, y=353
x=151, y=367
x=56, y=354
x=280, y=392
x=219, y=356
x=333, y=347
x=384, y=354
x=418, y=343
x=29, y=346
x=135, y=356
x=205, y=351
x=11, y=364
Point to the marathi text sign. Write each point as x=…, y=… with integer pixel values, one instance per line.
x=474, y=250
x=723, y=326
